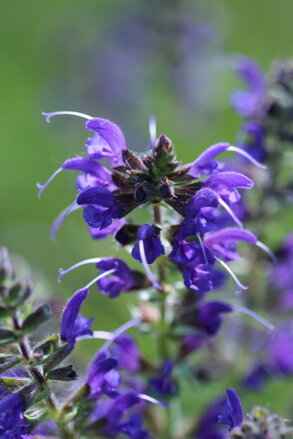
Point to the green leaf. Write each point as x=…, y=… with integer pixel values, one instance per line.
x=7, y=336
x=36, y=318
x=35, y=413
x=9, y=361
x=34, y=393
x=4, y=312
x=14, y=384
x=58, y=356
x=48, y=346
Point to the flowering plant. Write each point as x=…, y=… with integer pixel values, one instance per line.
x=182, y=253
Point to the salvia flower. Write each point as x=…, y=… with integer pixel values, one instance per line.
x=248, y=102
x=233, y=414
x=114, y=278
x=107, y=142
x=153, y=247
x=208, y=426
x=208, y=316
x=101, y=206
x=72, y=324
x=103, y=377
x=12, y=422
x=163, y=385
x=122, y=278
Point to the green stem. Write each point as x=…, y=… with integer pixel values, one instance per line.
x=163, y=328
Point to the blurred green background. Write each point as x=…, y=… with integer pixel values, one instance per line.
x=123, y=60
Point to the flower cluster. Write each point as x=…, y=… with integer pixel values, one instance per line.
x=200, y=194
x=184, y=252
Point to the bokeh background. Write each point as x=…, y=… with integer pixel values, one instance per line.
x=122, y=60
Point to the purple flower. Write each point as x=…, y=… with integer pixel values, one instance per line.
x=126, y=352
x=208, y=426
x=112, y=229
x=208, y=316
x=280, y=347
x=223, y=242
x=204, y=198
x=73, y=325
x=151, y=244
x=163, y=384
x=12, y=423
x=108, y=141
x=225, y=184
x=118, y=408
x=247, y=102
x=101, y=206
x=256, y=377
x=233, y=415
x=122, y=278
x=184, y=252
x=94, y=174
x=191, y=343
x=103, y=378
x=133, y=428
x=206, y=163
x=202, y=278
x=254, y=139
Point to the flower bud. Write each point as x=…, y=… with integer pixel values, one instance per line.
x=66, y=373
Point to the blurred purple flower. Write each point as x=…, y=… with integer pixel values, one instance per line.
x=208, y=426
x=280, y=347
x=163, y=384
x=247, y=102
x=208, y=316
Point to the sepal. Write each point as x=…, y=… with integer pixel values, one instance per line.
x=7, y=336
x=35, y=413
x=17, y=294
x=34, y=393
x=66, y=373
x=13, y=384
x=9, y=361
x=36, y=318
x=59, y=355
